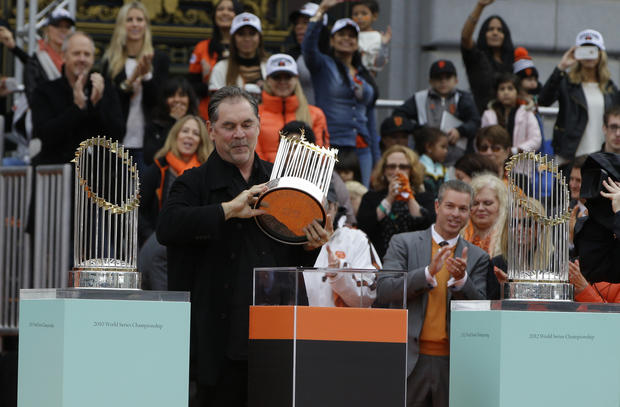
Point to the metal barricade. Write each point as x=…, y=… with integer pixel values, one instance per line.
x=52, y=243
x=15, y=267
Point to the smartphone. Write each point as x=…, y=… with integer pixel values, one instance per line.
x=12, y=85
x=586, y=52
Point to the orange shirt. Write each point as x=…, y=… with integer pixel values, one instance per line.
x=201, y=53
x=434, y=336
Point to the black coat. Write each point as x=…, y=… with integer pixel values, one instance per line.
x=367, y=217
x=214, y=258
x=573, y=114
x=157, y=176
x=598, y=248
x=150, y=88
x=61, y=125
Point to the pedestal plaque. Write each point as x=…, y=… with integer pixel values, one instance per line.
x=103, y=348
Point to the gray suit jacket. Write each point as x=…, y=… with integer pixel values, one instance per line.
x=412, y=252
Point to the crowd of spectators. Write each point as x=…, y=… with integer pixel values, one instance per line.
x=388, y=176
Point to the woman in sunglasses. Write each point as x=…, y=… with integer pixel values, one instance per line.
x=494, y=143
x=397, y=203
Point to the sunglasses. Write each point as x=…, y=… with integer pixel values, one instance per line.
x=495, y=148
x=281, y=77
x=402, y=167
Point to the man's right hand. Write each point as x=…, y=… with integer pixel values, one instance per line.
x=438, y=260
x=79, y=98
x=243, y=204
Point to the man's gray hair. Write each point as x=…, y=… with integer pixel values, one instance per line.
x=229, y=92
x=455, y=185
x=65, y=43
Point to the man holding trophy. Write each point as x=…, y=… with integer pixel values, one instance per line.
x=214, y=243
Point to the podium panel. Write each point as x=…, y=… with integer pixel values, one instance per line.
x=519, y=353
x=324, y=354
x=103, y=348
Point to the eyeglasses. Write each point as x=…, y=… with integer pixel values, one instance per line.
x=485, y=147
x=613, y=128
x=402, y=167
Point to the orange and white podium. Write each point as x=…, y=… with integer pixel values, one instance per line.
x=312, y=343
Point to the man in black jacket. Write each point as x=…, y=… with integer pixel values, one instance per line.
x=213, y=245
x=77, y=106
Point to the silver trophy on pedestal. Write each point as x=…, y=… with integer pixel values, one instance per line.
x=539, y=212
x=106, y=217
x=297, y=189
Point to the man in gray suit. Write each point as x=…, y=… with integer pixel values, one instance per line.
x=441, y=266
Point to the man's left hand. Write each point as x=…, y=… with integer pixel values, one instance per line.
x=457, y=266
x=453, y=136
x=98, y=84
x=318, y=235
x=613, y=193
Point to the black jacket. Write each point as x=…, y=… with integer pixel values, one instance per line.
x=150, y=88
x=598, y=248
x=214, y=258
x=466, y=111
x=573, y=114
x=61, y=125
x=155, y=135
x=155, y=182
x=367, y=217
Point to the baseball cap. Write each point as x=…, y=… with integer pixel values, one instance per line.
x=442, y=66
x=243, y=19
x=308, y=9
x=57, y=15
x=344, y=22
x=281, y=63
x=592, y=37
x=396, y=124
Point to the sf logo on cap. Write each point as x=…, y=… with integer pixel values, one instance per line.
x=398, y=121
x=442, y=64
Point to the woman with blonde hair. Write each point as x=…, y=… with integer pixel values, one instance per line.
x=136, y=70
x=398, y=202
x=283, y=101
x=584, y=94
x=187, y=146
x=488, y=213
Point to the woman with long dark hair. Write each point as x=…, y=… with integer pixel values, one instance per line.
x=246, y=64
x=177, y=99
x=344, y=89
x=493, y=53
x=212, y=50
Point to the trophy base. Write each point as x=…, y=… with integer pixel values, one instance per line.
x=517, y=290
x=120, y=280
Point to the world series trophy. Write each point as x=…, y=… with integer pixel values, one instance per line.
x=297, y=189
x=537, y=252
x=106, y=217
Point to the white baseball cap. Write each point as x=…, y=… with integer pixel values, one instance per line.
x=308, y=10
x=281, y=63
x=344, y=22
x=243, y=19
x=590, y=36
x=57, y=15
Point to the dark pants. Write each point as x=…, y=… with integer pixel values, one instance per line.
x=231, y=389
x=428, y=385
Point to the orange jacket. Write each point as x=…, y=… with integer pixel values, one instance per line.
x=600, y=292
x=201, y=53
x=274, y=113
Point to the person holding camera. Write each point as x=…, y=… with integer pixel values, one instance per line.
x=398, y=202
x=78, y=105
x=597, y=242
x=582, y=86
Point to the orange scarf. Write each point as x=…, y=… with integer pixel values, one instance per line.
x=179, y=166
x=483, y=243
x=55, y=56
